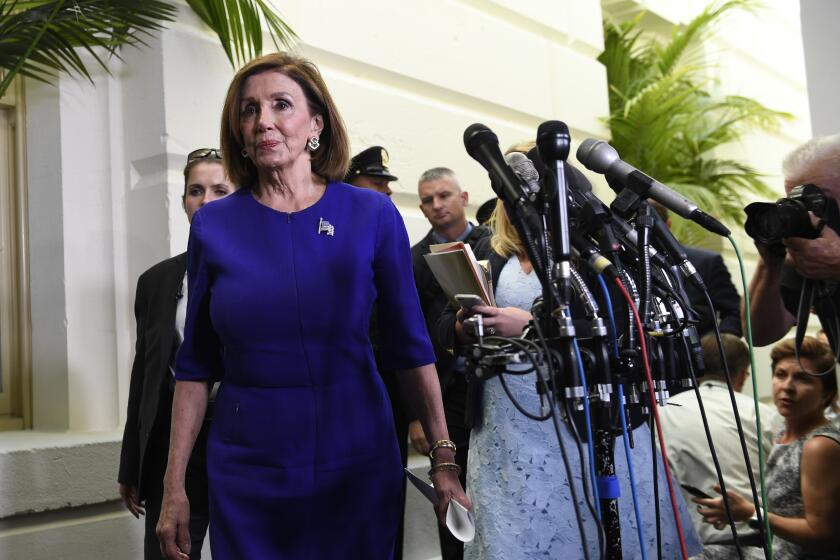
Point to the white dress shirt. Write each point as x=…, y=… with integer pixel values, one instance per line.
x=688, y=448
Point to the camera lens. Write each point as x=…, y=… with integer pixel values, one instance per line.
x=770, y=223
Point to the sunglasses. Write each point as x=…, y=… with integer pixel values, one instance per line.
x=204, y=153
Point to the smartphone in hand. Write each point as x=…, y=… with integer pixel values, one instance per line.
x=468, y=301
x=696, y=492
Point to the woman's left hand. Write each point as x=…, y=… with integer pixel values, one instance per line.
x=448, y=487
x=713, y=510
x=503, y=321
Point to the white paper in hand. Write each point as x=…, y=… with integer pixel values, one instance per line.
x=459, y=520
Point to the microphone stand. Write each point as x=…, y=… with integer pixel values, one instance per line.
x=553, y=143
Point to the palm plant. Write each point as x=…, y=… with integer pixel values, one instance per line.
x=664, y=120
x=39, y=38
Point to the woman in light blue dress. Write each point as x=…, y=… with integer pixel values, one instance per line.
x=516, y=478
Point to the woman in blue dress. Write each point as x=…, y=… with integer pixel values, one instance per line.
x=283, y=277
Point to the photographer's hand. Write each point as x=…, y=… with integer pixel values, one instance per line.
x=770, y=319
x=772, y=255
x=818, y=259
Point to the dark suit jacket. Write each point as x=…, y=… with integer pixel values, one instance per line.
x=154, y=308
x=443, y=330
x=433, y=300
x=723, y=294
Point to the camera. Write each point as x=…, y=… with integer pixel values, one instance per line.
x=770, y=222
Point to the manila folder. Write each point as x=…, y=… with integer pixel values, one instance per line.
x=458, y=272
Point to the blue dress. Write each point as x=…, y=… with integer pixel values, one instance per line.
x=302, y=456
x=518, y=485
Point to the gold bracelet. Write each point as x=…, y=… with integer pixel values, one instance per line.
x=445, y=467
x=448, y=443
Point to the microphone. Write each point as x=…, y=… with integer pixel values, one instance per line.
x=482, y=145
x=525, y=170
x=602, y=158
x=553, y=143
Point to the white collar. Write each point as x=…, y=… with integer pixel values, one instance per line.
x=714, y=383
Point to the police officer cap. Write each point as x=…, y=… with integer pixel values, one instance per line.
x=373, y=161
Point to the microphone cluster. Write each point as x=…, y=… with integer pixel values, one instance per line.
x=553, y=208
x=614, y=316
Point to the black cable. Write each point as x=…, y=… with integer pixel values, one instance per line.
x=523, y=347
x=586, y=493
x=683, y=323
x=712, y=449
x=728, y=376
x=583, y=472
x=652, y=429
x=522, y=343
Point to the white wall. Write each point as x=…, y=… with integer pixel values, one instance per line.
x=819, y=35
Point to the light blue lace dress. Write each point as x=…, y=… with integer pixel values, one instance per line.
x=517, y=481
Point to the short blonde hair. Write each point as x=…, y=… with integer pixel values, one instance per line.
x=330, y=161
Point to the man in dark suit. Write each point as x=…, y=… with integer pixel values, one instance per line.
x=146, y=436
x=444, y=204
x=160, y=308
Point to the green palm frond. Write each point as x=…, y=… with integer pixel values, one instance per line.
x=664, y=120
x=238, y=24
x=41, y=37
x=683, y=39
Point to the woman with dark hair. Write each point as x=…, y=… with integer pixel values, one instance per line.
x=803, y=489
x=302, y=457
x=159, y=308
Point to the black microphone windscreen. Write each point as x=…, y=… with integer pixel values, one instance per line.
x=553, y=140
x=477, y=135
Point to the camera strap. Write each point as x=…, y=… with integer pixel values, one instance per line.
x=806, y=300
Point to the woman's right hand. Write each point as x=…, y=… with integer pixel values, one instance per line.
x=131, y=500
x=713, y=510
x=173, y=528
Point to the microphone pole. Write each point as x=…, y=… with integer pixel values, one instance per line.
x=553, y=143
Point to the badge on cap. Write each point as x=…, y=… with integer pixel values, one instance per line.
x=384, y=156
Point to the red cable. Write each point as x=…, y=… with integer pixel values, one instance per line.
x=655, y=409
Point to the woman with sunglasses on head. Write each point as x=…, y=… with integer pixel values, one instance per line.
x=160, y=307
x=803, y=489
x=302, y=456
